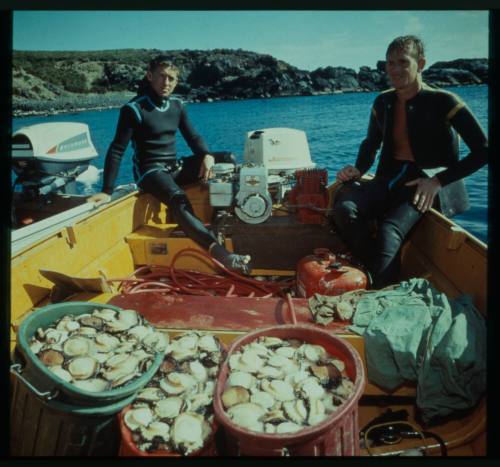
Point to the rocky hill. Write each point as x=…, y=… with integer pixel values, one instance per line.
x=49, y=82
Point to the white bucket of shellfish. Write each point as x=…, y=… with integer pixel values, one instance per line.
x=88, y=353
x=290, y=390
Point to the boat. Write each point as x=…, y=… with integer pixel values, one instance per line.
x=85, y=258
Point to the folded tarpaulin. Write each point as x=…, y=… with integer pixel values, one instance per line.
x=414, y=333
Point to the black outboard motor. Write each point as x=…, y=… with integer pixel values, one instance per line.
x=48, y=157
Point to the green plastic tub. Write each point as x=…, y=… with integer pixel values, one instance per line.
x=45, y=381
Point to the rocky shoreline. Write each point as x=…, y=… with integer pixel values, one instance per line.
x=48, y=83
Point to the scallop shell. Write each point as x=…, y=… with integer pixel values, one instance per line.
x=199, y=402
x=287, y=352
x=36, y=346
x=86, y=331
x=208, y=343
x=151, y=394
x=240, y=378
x=274, y=416
x=247, y=415
x=67, y=324
x=60, y=372
x=155, y=430
x=272, y=342
x=106, y=314
x=92, y=321
x=198, y=371
x=177, y=383
x=317, y=412
x=53, y=336
x=235, y=395
x=189, y=432
x=311, y=389
x=105, y=342
x=280, y=390
x=288, y=427
x=313, y=352
x=92, y=384
x=51, y=357
x=139, y=332
x=169, y=408
x=296, y=411
x=262, y=398
x=78, y=346
x=135, y=418
x=344, y=389
x=83, y=367
x=156, y=341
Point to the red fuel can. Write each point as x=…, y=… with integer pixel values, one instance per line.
x=327, y=274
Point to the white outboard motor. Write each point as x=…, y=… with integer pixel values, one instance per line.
x=271, y=157
x=253, y=202
x=48, y=157
x=281, y=150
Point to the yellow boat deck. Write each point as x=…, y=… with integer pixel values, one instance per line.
x=136, y=230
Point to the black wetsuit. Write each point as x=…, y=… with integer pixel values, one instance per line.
x=434, y=117
x=151, y=122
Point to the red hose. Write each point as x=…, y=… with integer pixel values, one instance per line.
x=168, y=279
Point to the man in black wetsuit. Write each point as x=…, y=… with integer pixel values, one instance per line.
x=151, y=120
x=419, y=164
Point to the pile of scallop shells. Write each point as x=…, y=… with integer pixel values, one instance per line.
x=174, y=411
x=99, y=351
x=283, y=386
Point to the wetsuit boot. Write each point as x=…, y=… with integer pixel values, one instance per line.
x=232, y=261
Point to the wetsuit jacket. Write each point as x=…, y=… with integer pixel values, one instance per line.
x=151, y=123
x=434, y=117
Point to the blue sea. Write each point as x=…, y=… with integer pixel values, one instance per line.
x=335, y=126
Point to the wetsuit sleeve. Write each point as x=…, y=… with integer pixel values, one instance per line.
x=193, y=139
x=124, y=131
x=370, y=145
x=466, y=125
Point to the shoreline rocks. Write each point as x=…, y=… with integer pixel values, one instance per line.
x=47, y=83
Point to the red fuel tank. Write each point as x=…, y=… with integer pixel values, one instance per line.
x=327, y=274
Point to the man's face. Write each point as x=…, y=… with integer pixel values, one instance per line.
x=402, y=68
x=163, y=80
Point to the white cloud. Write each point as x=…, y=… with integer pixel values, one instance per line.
x=413, y=25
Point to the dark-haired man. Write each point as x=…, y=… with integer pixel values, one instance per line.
x=419, y=166
x=150, y=121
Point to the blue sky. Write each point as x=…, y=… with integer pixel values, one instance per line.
x=305, y=39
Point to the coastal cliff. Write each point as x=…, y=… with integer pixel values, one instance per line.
x=52, y=82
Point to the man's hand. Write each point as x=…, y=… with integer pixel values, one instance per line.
x=99, y=198
x=349, y=172
x=206, y=167
x=427, y=189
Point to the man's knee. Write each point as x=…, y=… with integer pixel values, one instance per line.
x=344, y=212
x=179, y=202
x=391, y=232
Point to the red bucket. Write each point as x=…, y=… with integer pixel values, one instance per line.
x=337, y=435
x=129, y=448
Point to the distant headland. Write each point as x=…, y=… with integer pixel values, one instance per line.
x=59, y=82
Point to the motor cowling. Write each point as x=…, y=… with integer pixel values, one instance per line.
x=328, y=274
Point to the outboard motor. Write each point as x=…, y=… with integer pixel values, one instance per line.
x=271, y=158
x=48, y=157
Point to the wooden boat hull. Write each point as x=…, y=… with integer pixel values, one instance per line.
x=135, y=230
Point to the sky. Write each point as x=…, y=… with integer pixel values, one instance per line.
x=305, y=39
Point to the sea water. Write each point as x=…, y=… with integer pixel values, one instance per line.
x=335, y=126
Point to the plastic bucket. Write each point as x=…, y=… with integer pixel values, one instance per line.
x=43, y=379
x=53, y=428
x=129, y=448
x=337, y=435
